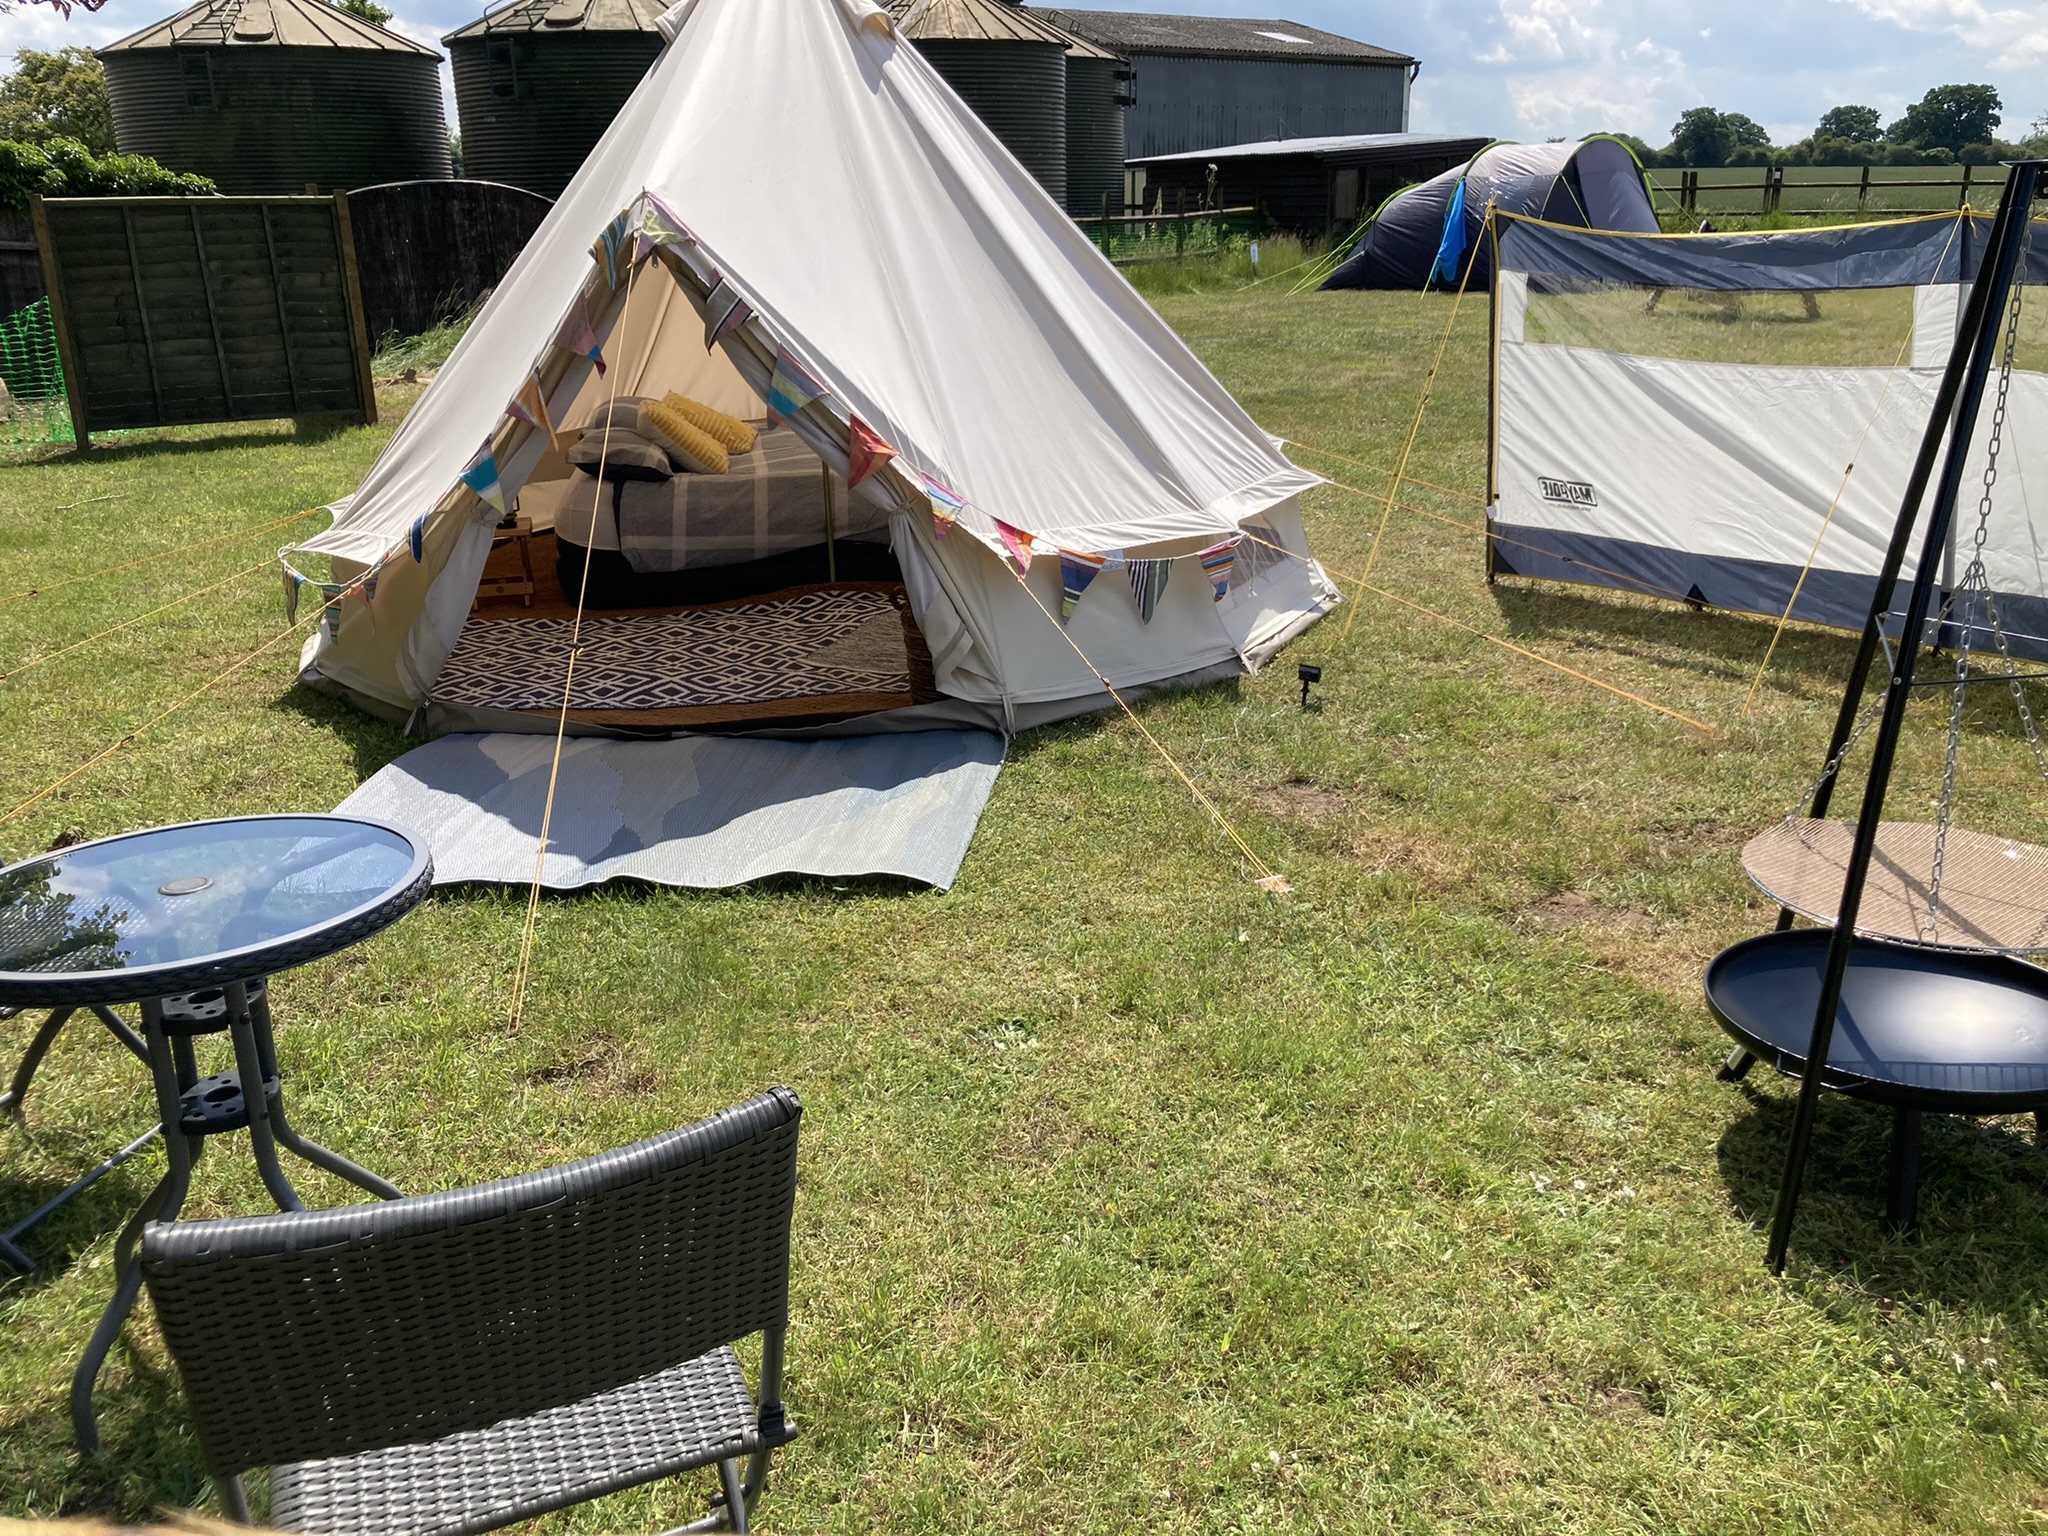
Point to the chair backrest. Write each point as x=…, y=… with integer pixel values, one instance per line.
x=320, y=1333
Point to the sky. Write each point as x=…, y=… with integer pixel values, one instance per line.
x=1532, y=69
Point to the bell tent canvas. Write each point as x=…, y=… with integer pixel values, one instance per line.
x=1430, y=234
x=795, y=221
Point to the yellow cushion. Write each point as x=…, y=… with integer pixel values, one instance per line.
x=737, y=436
x=691, y=447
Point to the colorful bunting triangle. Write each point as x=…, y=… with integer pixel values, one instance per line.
x=790, y=389
x=1076, y=571
x=946, y=504
x=578, y=336
x=724, y=312
x=1018, y=543
x=865, y=452
x=613, y=249
x=291, y=595
x=368, y=586
x=1148, y=584
x=530, y=405
x=482, y=478
x=416, y=538
x=1218, y=560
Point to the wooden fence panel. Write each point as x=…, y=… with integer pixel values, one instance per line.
x=430, y=249
x=176, y=310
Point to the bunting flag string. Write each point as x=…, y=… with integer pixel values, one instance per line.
x=1018, y=543
x=367, y=587
x=416, y=538
x=1076, y=571
x=1148, y=584
x=482, y=478
x=658, y=227
x=1218, y=561
x=790, y=389
x=865, y=451
x=724, y=311
x=578, y=336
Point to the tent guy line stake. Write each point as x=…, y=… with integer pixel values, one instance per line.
x=1273, y=884
x=1827, y=522
x=1414, y=428
x=162, y=554
x=523, y=976
x=1584, y=677
x=78, y=645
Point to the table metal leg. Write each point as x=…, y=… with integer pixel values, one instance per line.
x=32, y=1058
x=163, y=1204
x=311, y=1151
x=121, y=1032
x=1902, y=1202
x=78, y=1186
x=1737, y=1066
x=257, y=1073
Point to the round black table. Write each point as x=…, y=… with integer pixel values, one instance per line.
x=187, y=922
x=1919, y=1030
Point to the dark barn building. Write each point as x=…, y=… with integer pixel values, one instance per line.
x=1314, y=186
x=1201, y=81
x=538, y=82
x=266, y=96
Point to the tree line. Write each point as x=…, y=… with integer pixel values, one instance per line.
x=1950, y=125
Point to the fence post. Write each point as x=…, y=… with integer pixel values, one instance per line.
x=1689, y=191
x=1963, y=197
x=1863, y=192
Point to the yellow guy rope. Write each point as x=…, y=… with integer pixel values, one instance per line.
x=162, y=715
x=1535, y=656
x=1384, y=473
x=77, y=645
x=1269, y=882
x=1414, y=428
x=1827, y=522
x=524, y=974
x=163, y=554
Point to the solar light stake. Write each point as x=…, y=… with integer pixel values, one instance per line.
x=1255, y=258
x=1307, y=674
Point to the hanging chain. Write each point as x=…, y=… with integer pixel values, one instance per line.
x=1977, y=586
x=1834, y=764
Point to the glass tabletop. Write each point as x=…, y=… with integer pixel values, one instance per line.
x=147, y=912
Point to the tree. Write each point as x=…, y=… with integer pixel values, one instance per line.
x=61, y=95
x=1749, y=133
x=1854, y=125
x=368, y=10
x=1949, y=117
x=1702, y=137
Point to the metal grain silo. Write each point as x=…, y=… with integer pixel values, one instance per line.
x=1009, y=67
x=1098, y=90
x=270, y=95
x=538, y=82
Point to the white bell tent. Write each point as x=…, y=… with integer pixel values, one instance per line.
x=1730, y=419
x=875, y=260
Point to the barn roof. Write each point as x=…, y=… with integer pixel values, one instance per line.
x=267, y=23
x=564, y=16
x=988, y=21
x=1215, y=37
x=1351, y=148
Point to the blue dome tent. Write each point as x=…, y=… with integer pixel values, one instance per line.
x=1425, y=235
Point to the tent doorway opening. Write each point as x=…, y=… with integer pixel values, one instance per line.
x=759, y=595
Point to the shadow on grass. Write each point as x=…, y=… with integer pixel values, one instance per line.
x=370, y=742
x=148, y=1458
x=1983, y=1239
x=99, y=1211
x=268, y=434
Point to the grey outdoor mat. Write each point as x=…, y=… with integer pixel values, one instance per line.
x=701, y=811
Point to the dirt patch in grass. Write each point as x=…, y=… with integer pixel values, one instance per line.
x=1567, y=911
x=1302, y=801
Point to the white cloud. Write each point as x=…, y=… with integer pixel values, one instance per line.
x=2019, y=32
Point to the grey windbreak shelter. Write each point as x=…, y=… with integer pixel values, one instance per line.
x=1429, y=234
x=1730, y=420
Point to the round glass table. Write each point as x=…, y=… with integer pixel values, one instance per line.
x=187, y=923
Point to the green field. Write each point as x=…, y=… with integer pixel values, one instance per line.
x=1133, y=1199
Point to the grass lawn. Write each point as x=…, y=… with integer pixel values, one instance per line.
x=1133, y=1200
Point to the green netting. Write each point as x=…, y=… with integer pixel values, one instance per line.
x=35, y=411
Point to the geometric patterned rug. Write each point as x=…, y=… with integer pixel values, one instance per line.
x=762, y=651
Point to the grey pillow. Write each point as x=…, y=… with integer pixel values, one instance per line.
x=625, y=454
x=622, y=412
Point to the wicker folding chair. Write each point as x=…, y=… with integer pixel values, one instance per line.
x=454, y=1362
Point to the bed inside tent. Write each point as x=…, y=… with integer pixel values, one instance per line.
x=760, y=594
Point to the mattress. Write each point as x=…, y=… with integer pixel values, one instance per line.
x=772, y=501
